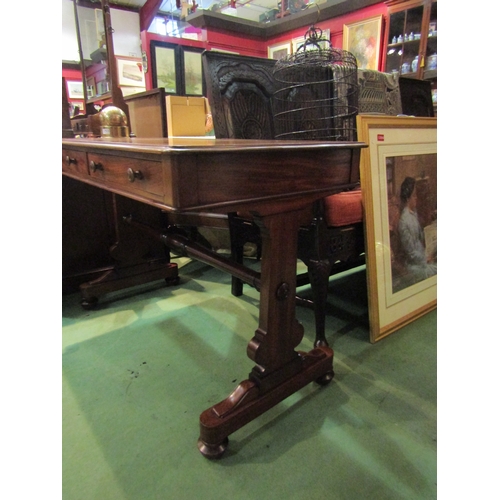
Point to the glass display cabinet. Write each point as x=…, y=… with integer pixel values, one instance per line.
x=412, y=40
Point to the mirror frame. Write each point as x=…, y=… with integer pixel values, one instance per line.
x=114, y=93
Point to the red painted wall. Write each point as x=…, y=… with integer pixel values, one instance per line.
x=72, y=74
x=247, y=46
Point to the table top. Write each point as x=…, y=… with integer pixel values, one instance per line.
x=218, y=175
x=204, y=144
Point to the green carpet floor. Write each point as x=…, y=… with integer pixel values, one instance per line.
x=138, y=371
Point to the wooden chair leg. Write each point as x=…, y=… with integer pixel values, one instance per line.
x=241, y=231
x=237, y=256
x=319, y=272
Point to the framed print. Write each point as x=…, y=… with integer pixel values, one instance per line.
x=193, y=73
x=75, y=89
x=363, y=40
x=300, y=40
x=130, y=72
x=399, y=186
x=166, y=70
x=280, y=50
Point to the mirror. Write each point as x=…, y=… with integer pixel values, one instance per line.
x=97, y=59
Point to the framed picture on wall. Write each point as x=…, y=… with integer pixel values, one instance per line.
x=130, y=72
x=363, y=39
x=399, y=186
x=279, y=50
x=165, y=61
x=75, y=89
x=193, y=72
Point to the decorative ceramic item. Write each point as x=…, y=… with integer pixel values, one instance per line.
x=432, y=62
x=405, y=68
x=414, y=64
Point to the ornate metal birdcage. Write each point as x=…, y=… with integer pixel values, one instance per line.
x=316, y=93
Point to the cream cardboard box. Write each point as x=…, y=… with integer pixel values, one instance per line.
x=186, y=116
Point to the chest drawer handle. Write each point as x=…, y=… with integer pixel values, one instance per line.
x=134, y=174
x=95, y=166
x=70, y=160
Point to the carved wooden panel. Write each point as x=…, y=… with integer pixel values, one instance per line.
x=239, y=90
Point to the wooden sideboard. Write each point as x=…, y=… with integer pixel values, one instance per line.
x=276, y=182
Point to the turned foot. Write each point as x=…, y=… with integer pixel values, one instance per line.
x=172, y=281
x=320, y=342
x=212, y=451
x=326, y=378
x=89, y=303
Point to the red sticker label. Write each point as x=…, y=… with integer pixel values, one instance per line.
x=380, y=137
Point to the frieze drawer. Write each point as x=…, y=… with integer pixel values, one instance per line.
x=74, y=162
x=131, y=174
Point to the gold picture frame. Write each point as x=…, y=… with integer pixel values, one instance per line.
x=279, y=50
x=401, y=278
x=362, y=39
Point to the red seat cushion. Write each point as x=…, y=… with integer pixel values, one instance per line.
x=344, y=208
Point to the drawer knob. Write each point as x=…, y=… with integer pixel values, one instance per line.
x=134, y=174
x=70, y=160
x=95, y=166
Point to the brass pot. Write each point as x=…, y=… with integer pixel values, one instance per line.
x=113, y=122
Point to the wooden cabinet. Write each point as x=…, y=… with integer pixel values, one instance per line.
x=412, y=38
